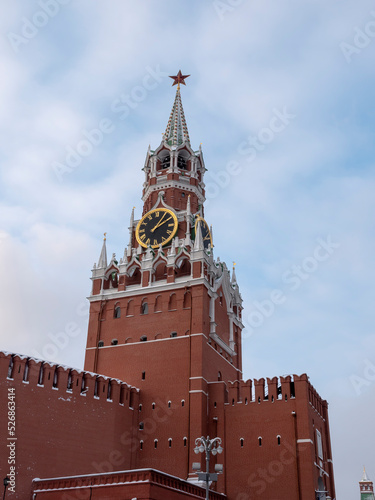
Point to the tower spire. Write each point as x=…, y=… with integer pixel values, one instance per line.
x=103, y=254
x=176, y=132
x=364, y=475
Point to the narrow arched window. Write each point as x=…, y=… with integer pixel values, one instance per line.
x=141, y=426
x=181, y=163
x=185, y=441
x=166, y=161
x=158, y=304
x=144, y=307
x=170, y=442
x=117, y=312
x=260, y=441
x=241, y=441
x=278, y=440
x=155, y=444
x=141, y=445
x=187, y=300
x=172, y=305
x=130, y=308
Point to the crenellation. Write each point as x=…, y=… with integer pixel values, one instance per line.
x=259, y=385
x=272, y=384
x=47, y=375
x=283, y=388
x=246, y=390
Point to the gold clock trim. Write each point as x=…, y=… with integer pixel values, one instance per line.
x=175, y=221
x=199, y=218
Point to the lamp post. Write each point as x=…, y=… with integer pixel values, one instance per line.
x=6, y=482
x=208, y=446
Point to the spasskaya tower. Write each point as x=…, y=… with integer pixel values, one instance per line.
x=166, y=316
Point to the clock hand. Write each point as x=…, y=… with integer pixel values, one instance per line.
x=158, y=224
x=161, y=223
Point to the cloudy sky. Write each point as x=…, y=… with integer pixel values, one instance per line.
x=280, y=96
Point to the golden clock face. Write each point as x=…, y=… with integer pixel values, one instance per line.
x=207, y=240
x=156, y=227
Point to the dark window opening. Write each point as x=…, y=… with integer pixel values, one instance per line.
x=100, y=343
x=143, y=375
x=140, y=407
x=174, y=334
x=143, y=338
x=114, y=342
x=260, y=441
x=169, y=404
x=141, y=426
x=185, y=441
x=141, y=445
x=153, y=406
x=166, y=161
x=286, y=397
x=292, y=390
x=278, y=440
x=183, y=402
x=181, y=163
x=241, y=442
x=144, y=308
x=156, y=443
x=117, y=312
x=170, y=443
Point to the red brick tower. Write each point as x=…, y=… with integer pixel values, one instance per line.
x=167, y=317
x=366, y=487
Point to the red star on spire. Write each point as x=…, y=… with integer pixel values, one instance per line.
x=179, y=78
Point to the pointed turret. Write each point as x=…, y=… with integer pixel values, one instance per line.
x=103, y=254
x=366, y=487
x=198, y=244
x=176, y=132
x=234, y=277
x=364, y=476
x=130, y=233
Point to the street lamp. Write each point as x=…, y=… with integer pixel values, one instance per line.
x=6, y=482
x=208, y=446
